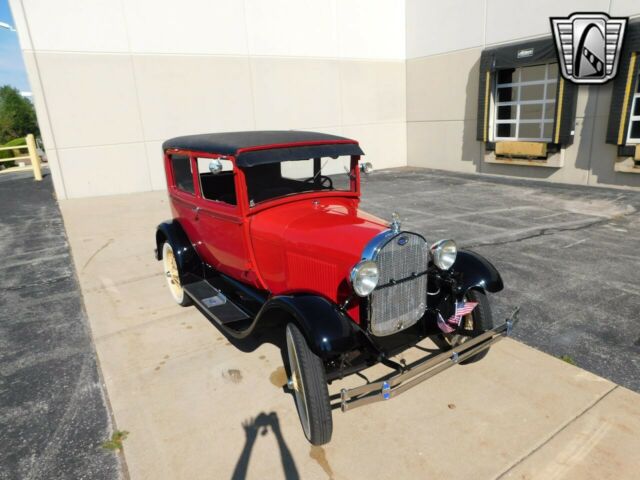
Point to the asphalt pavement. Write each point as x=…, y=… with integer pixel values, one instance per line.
x=568, y=256
x=53, y=411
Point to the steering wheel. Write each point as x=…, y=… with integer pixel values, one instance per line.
x=323, y=181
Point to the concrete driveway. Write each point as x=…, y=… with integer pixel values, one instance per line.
x=198, y=407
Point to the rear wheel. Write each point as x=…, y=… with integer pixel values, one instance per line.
x=473, y=324
x=309, y=384
x=172, y=275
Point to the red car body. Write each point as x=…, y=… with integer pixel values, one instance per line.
x=287, y=245
x=253, y=246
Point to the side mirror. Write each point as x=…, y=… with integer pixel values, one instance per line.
x=366, y=168
x=215, y=166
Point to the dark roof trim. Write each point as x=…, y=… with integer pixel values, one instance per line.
x=260, y=147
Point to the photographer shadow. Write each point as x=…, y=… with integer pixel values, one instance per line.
x=259, y=426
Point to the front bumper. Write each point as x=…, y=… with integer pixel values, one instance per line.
x=423, y=369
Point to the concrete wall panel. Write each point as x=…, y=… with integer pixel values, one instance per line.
x=372, y=29
x=76, y=26
x=295, y=93
x=182, y=95
x=384, y=144
x=155, y=165
x=509, y=20
x=443, y=87
x=292, y=27
x=446, y=145
x=435, y=26
x=189, y=26
x=105, y=170
x=372, y=92
x=91, y=98
x=627, y=8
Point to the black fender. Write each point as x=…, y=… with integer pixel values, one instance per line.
x=475, y=271
x=189, y=262
x=328, y=330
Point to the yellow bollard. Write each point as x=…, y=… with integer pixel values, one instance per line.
x=34, y=157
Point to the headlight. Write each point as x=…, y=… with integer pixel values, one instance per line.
x=364, y=277
x=444, y=254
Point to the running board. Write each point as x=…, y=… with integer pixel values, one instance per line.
x=213, y=303
x=423, y=369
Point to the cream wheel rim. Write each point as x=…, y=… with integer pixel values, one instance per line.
x=297, y=384
x=171, y=273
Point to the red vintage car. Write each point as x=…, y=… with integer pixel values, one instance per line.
x=267, y=235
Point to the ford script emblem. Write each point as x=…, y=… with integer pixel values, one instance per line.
x=402, y=241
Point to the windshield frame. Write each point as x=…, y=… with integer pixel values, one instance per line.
x=353, y=192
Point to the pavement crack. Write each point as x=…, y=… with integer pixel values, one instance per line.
x=558, y=431
x=541, y=233
x=109, y=242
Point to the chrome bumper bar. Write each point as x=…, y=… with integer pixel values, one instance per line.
x=423, y=369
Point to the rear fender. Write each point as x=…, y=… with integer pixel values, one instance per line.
x=189, y=262
x=475, y=271
x=329, y=331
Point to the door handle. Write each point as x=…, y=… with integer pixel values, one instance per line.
x=196, y=211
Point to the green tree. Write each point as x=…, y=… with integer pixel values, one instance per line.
x=17, y=115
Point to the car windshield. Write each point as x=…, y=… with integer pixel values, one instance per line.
x=273, y=180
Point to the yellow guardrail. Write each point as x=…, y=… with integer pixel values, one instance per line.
x=32, y=155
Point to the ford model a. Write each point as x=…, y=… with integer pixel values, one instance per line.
x=267, y=234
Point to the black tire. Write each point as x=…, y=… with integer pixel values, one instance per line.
x=482, y=320
x=309, y=385
x=172, y=273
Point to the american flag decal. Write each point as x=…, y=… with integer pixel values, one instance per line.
x=462, y=309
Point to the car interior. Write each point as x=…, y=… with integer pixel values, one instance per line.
x=219, y=186
x=264, y=182
x=268, y=181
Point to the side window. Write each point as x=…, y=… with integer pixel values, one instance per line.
x=218, y=186
x=182, y=174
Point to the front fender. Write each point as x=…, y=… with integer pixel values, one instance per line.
x=475, y=271
x=328, y=330
x=189, y=262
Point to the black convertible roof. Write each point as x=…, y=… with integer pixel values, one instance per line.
x=267, y=146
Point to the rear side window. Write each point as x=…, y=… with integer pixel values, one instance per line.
x=219, y=186
x=182, y=174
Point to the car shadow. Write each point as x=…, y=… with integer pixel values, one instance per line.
x=255, y=428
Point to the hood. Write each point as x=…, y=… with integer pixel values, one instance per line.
x=311, y=245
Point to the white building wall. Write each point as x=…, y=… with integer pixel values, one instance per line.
x=112, y=80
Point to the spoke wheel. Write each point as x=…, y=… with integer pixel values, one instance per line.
x=172, y=275
x=309, y=384
x=473, y=324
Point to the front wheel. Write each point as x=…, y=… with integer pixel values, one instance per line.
x=475, y=323
x=309, y=384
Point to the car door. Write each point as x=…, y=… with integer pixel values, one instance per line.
x=182, y=189
x=223, y=239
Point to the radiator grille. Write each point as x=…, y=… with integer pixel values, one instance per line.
x=396, y=306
